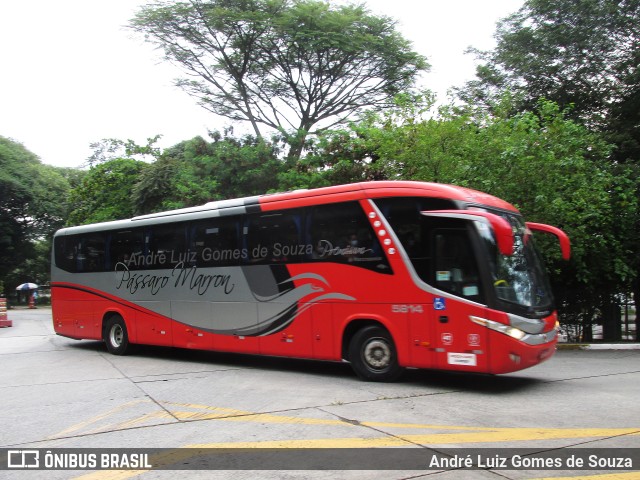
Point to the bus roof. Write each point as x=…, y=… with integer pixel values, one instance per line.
x=302, y=198
x=389, y=188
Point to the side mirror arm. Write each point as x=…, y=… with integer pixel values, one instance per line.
x=565, y=243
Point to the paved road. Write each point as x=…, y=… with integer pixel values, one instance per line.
x=60, y=393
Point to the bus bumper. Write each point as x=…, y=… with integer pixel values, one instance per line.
x=510, y=355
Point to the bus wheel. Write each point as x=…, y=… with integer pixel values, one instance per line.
x=373, y=355
x=115, y=335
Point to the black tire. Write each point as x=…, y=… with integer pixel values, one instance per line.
x=115, y=336
x=373, y=355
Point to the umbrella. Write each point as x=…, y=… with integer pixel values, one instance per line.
x=27, y=286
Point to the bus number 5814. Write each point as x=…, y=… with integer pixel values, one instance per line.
x=407, y=309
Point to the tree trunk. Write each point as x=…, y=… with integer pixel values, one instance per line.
x=611, y=319
x=296, y=146
x=636, y=301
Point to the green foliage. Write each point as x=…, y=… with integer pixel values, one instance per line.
x=556, y=172
x=580, y=53
x=105, y=192
x=554, y=169
x=155, y=185
x=291, y=66
x=34, y=267
x=32, y=206
x=197, y=171
x=112, y=148
x=30, y=191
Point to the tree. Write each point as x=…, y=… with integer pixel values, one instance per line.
x=196, y=171
x=112, y=148
x=292, y=66
x=32, y=204
x=35, y=267
x=104, y=193
x=584, y=54
x=14, y=198
x=552, y=168
x=557, y=171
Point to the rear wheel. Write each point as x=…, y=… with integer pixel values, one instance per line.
x=115, y=335
x=373, y=356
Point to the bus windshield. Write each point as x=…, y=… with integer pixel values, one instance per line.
x=520, y=278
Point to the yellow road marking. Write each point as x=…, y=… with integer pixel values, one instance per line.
x=489, y=435
x=450, y=434
x=206, y=412
x=230, y=414
x=79, y=426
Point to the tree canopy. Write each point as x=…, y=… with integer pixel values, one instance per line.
x=584, y=54
x=552, y=168
x=292, y=66
x=105, y=192
x=197, y=171
x=32, y=204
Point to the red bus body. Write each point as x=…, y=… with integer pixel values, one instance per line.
x=354, y=272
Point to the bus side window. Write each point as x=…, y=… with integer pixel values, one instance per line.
x=456, y=269
x=215, y=242
x=126, y=246
x=274, y=237
x=93, y=251
x=166, y=246
x=403, y=214
x=66, y=249
x=81, y=253
x=341, y=233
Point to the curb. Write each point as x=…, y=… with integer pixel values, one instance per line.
x=598, y=346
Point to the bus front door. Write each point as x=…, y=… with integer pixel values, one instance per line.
x=460, y=344
x=422, y=333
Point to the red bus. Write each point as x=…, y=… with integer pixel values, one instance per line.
x=384, y=275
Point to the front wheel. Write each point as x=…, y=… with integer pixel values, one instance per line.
x=115, y=335
x=373, y=356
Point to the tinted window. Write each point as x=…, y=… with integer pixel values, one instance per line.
x=64, y=253
x=342, y=233
x=81, y=253
x=440, y=249
x=127, y=246
x=215, y=242
x=403, y=214
x=165, y=246
x=455, y=265
x=275, y=237
x=338, y=233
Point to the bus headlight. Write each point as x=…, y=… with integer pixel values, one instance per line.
x=499, y=327
x=515, y=333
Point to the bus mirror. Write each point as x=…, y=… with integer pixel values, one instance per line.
x=565, y=243
x=501, y=227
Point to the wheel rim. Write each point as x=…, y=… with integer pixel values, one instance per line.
x=377, y=354
x=116, y=335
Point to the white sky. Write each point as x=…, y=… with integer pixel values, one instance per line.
x=70, y=74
